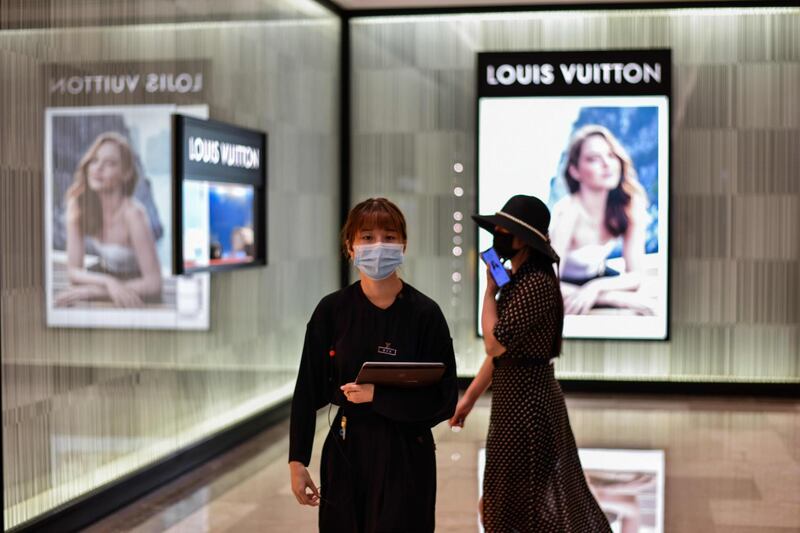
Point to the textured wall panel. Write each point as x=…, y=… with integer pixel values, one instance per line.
x=766, y=227
x=709, y=291
x=768, y=161
x=704, y=225
x=704, y=162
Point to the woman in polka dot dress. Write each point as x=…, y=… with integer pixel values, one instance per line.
x=533, y=480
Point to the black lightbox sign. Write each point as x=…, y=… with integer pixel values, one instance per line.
x=220, y=195
x=579, y=73
x=588, y=133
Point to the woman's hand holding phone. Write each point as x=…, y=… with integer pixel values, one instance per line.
x=491, y=285
x=496, y=275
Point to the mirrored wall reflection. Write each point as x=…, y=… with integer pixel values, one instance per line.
x=94, y=388
x=735, y=262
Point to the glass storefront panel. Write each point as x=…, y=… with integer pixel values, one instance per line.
x=734, y=253
x=93, y=392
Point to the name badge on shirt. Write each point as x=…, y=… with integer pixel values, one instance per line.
x=387, y=349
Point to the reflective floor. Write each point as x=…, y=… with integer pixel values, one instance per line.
x=731, y=465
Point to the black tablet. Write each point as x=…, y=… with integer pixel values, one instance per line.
x=400, y=374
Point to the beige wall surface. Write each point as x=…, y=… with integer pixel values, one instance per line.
x=735, y=190
x=82, y=407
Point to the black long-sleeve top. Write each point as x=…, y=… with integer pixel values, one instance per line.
x=345, y=330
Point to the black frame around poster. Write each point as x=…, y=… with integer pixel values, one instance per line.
x=603, y=85
x=186, y=169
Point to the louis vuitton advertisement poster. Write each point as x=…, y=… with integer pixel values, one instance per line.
x=108, y=198
x=588, y=134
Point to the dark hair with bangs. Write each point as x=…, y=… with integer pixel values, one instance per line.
x=372, y=213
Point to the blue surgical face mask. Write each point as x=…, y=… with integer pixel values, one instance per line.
x=378, y=261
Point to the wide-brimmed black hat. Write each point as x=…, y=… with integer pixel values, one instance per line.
x=525, y=217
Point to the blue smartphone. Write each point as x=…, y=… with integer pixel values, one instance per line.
x=496, y=267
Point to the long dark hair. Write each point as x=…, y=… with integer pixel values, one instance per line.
x=618, y=206
x=544, y=264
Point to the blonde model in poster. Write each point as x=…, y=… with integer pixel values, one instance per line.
x=104, y=220
x=606, y=204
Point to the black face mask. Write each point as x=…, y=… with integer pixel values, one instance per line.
x=503, y=245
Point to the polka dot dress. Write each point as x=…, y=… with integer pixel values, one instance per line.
x=533, y=480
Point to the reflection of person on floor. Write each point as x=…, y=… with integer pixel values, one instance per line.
x=606, y=203
x=618, y=495
x=103, y=219
x=242, y=242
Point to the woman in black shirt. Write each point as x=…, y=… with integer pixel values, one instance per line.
x=378, y=468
